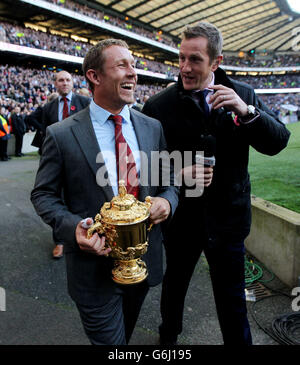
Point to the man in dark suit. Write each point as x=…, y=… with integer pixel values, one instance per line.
x=35, y=119
x=69, y=162
x=18, y=129
x=197, y=115
x=67, y=103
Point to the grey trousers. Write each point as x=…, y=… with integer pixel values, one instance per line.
x=113, y=322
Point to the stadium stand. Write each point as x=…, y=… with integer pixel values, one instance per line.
x=26, y=82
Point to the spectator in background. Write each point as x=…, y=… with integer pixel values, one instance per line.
x=4, y=137
x=67, y=103
x=84, y=91
x=18, y=129
x=35, y=119
x=137, y=105
x=2, y=34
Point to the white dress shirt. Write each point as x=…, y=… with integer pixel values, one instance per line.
x=61, y=105
x=105, y=133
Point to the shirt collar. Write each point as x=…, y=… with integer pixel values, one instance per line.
x=68, y=96
x=101, y=115
x=212, y=82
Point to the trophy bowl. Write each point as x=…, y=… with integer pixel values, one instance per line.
x=125, y=224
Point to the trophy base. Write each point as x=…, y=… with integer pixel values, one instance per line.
x=129, y=272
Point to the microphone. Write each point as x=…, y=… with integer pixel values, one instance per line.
x=209, y=147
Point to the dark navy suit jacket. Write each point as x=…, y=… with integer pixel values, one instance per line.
x=48, y=114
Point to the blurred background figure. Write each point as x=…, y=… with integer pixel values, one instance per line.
x=4, y=137
x=35, y=119
x=85, y=92
x=18, y=129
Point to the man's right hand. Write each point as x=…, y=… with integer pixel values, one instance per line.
x=197, y=174
x=95, y=244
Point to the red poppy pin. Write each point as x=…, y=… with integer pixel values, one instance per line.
x=73, y=108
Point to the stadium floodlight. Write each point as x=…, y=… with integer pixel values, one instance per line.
x=294, y=5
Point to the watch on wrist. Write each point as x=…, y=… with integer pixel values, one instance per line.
x=252, y=114
x=251, y=110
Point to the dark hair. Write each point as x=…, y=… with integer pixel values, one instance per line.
x=94, y=59
x=211, y=33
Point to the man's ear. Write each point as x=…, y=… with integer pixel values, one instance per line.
x=216, y=63
x=93, y=76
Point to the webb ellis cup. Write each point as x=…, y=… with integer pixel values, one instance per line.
x=125, y=224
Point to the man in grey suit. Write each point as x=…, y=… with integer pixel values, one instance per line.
x=69, y=162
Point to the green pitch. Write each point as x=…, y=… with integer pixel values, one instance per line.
x=277, y=178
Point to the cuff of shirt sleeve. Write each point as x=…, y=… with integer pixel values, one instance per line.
x=243, y=121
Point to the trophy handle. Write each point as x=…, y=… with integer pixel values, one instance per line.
x=96, y=227
x=101, y=228
x=148, y=201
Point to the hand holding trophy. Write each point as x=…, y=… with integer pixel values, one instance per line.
x=125, y=223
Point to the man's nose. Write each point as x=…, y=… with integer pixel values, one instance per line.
x=185, y=66
x=131, y=71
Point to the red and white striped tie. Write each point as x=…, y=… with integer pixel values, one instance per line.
x=126, y=167
x=65, y=108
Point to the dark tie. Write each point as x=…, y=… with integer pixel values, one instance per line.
x=126, y=167
x=66, y=108
x=202, y=101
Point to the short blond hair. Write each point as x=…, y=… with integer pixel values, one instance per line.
x=94, y=59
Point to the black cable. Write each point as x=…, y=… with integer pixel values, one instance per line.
x=265, y=329
x=285, y=329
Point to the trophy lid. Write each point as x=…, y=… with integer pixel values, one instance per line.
x=125, y=208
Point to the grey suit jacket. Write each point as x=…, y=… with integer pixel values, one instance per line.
x=69, y=162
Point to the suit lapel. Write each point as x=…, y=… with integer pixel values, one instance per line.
x=140, y=128
x=85, y=135
x=74, y=107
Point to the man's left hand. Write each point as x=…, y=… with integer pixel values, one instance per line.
x=160, y=210
x=228, y=98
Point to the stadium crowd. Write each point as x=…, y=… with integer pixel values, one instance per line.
x=275, y=101
x=124, y=23
x=271, y=81
x=20, y=35
x=270, y=61
x=274, y=60
x=29, y=88
x=16, y=34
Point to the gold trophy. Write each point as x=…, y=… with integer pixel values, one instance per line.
x=124, y=222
